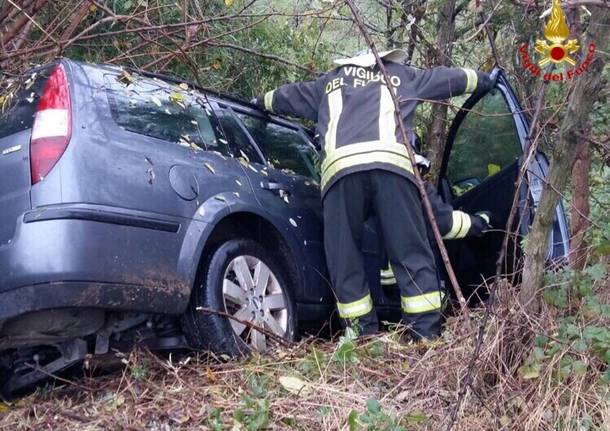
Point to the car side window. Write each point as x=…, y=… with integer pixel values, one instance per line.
x=235, y=134
x=284, y=147
x=486, y=142
x=154, y=108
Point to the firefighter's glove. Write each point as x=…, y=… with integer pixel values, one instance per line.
x=480, y=223
x=258, y=102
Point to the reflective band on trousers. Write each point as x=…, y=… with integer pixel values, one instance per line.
x=422, y=303
x=349, y=310
x=471, y=80
x=387, y=276
x=460, y=225
x=269, y=100
x=364, y=153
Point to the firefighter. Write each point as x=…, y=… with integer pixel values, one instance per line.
x=366, y=170
x=452, y=224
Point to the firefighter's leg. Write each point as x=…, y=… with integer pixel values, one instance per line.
x=345, y=208
x=400, y=211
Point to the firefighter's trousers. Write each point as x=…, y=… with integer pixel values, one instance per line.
x=396, y=202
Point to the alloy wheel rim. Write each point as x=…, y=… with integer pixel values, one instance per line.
x=253, y=294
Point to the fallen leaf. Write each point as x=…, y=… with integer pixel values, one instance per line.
x=292, y=222
x=210, y=375
x=295, y=385
x=125, y=77
x=184, y=86
x=528, y=372
x=210, y=168
x=155, y=100
x=229, y=3
x=244, y=155
x=176, y=97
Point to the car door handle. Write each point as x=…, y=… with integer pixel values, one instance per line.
x=274, y=186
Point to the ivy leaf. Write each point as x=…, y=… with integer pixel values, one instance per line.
x=416, y=417
x=596, y=272
x=579, y=368
x=373, y=406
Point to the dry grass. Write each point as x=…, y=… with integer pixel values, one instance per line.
x=417, y=386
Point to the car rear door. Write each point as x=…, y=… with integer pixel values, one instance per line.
x=482, y=158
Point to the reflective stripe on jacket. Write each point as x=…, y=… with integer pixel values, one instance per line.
x=355, y=114
x=452, y=224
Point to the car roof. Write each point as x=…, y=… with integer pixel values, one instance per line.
x=232, y=101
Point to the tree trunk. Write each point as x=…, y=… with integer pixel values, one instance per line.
x=580, y=103
x=580, y=205
x=437, y=129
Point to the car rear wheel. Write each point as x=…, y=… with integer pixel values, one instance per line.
x=243, y=280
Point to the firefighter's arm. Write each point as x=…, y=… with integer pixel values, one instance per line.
x=443, y=212
x=301, y=99
x=444, y=82
x=454, y=224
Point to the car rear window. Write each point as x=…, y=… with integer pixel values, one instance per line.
x=18, y=100
x=284, y=147
x=154, y=108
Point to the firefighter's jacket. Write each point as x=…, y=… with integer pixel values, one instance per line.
x=355, y=113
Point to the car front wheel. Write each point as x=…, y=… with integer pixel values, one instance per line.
x=243, y=280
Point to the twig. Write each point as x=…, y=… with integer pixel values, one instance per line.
x=283, y=341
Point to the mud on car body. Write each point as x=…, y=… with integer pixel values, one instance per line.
x=132, y=207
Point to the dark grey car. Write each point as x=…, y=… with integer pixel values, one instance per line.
x=139, y=208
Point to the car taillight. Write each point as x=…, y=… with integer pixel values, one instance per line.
x=52, y=125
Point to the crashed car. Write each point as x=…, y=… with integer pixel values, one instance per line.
x=137, y=208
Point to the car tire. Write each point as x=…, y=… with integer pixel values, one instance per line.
x=231, y=283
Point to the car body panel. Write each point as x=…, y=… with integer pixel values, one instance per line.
x=123, y=216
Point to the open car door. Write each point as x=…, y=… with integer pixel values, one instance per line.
x=482, y=158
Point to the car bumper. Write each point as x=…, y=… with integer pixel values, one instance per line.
x=93, y=256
